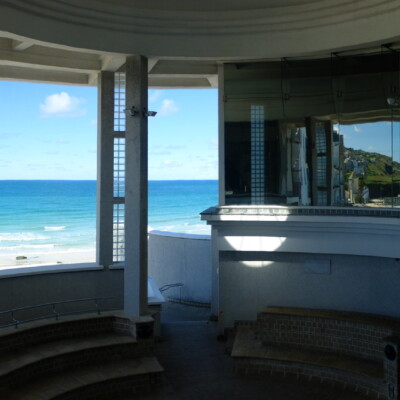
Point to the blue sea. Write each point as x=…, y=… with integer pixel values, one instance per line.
x=55, y=221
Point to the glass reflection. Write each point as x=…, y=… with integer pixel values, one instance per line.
x=396, y=157
x=313, y=133
x=368, y=164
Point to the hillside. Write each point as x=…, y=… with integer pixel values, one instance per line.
x=378, y=168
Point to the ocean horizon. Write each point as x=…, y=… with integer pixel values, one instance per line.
x=50, y=221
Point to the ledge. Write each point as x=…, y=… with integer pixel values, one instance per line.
x=176, y=235
x=262, y=210
x=358, y=231
x=13, y=271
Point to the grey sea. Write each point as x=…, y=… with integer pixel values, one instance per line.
x=54, y=221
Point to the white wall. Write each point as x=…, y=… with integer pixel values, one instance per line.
x=21, y=287
x=181, y=258
x=338, y=262
x=172, y=258
x=318, y=281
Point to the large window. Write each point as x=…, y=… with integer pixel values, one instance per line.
x=313, y=132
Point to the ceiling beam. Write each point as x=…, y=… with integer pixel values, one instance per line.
x=27, y=60
x=178, y=83
x=151, y=63
x=21, y=45
x=44, y=76
x=213, y=81
x=48, y=60
x=92, y=79
x=112, y=63
x=184, y=67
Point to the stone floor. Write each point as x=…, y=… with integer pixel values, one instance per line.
x=197, y=366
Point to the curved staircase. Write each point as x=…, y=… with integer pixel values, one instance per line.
x=83, y=357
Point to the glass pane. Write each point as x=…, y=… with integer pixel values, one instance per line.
x=119, y=167
x=314, y=132
x=396, y=158
x=118, y=232
x=119, y=102
x=368, y=163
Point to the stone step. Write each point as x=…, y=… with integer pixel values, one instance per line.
x=68, y=327
x=103, y=381
x=247, y=346
x=31, y=362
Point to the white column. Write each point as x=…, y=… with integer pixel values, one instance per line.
x=221, y=135
x=105, y=140
x=135, y=276
x=214, y=271
x=221, y=186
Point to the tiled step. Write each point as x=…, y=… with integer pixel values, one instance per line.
x=251, y=356
x=68, y=327
x=109, y=380
x=45, y=358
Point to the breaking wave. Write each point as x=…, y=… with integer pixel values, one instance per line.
x=21, y=236
x=54, y=228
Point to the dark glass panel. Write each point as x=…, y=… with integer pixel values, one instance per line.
x=314, y=132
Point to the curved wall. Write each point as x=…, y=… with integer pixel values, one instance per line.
x=181, y=258
x=24, y=286
x=172, y=258
x=223, y=30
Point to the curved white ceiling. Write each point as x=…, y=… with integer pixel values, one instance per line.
x=218, y=29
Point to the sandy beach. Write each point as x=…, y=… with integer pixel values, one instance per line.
x=48, y=257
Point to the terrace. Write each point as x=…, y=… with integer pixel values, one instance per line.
x=304, y=219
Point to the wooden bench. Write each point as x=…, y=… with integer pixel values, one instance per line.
x=358, y=351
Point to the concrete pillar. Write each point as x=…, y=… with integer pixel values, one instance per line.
x=105, y=141
x=221, y=185
x=136, y=204
x=214, y=271
x=221, y=135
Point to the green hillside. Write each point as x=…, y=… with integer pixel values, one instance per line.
x=378, y=168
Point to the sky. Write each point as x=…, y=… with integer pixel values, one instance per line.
x=49, y=132
x=373, y=137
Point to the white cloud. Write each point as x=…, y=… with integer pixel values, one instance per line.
x=155, y=95
x=357, y=129
x=171, y=164
x=62, y=105
x=168, y=107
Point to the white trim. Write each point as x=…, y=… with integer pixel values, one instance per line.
x=180, y=235
x=13, y=271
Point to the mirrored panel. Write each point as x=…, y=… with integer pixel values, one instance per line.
x=313, y=132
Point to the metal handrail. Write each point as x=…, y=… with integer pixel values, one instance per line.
x=55, y=314
x=171, y=285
